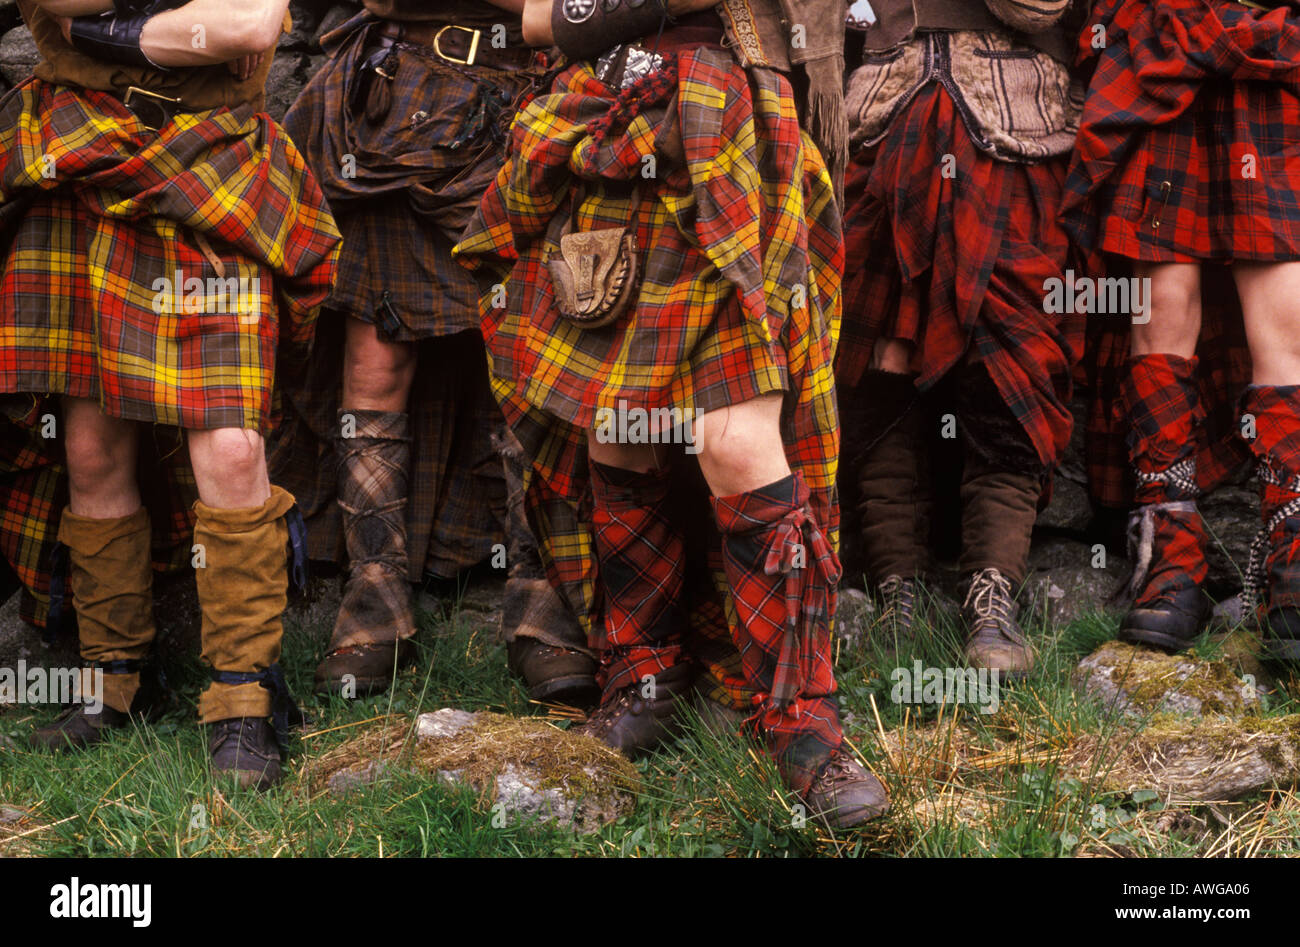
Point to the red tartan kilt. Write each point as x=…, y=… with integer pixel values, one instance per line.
x=193, y=369
x=1220, y=179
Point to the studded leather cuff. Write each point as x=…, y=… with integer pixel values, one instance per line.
x=583, y=29
x=113, y=37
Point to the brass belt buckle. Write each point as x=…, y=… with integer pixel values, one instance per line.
x=473, y=44
x=137, y=97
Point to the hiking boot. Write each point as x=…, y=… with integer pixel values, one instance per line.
x=1171, y=623
x=245, y=748
x=364, y=669
x=896, y=597
x=994, y=639
x=844, y=794
x=718, y=718
x=559, y=675
x=633, y=723
x=76, y=728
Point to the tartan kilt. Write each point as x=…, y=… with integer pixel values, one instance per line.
x=741, y=264
x=1189, y=145
x=94, y=209
x=955, y=263
x=162, y=278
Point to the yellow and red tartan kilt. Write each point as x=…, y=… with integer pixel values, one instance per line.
x=156, y=273
x=741, y=263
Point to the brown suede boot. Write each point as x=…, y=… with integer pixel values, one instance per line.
x=112, y=591
x=243, y=592
x=998, y=513
x=376, y=620
x=894, y=498
x=545, y=645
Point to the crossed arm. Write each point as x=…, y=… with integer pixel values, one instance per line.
x=201, y=33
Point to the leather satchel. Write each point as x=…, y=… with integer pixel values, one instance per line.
x=594, y=273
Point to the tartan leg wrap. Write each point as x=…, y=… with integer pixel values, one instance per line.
x=112, y=590
x=1167, y=538
x=782, y=574
x=1275, y=553
x=377, y=606
x=641, y=555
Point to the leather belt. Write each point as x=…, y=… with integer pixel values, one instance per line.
x=458, y=45
x=623, y=65
x=153, y=110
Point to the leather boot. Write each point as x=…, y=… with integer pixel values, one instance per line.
x=998, y=513
x=894, y=496
x=545, y=645
x=642, y=716
x=111, y=575
x=243, y=592
x=376, y=619
x=1272, y=582
x=1167, y=539
x=844, y=794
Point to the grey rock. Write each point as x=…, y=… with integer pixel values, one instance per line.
x=9, y=815
x=1139, y=682
x=346, y=780
x=284, y=82
x=18, y=55
x=1231, y=515
x=1065, y=594
x=335, y=17
x=854, y=614
x=1069, y=508
x=443, y=723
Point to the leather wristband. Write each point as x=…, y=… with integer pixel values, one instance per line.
x=583, y=29
x=112, y=37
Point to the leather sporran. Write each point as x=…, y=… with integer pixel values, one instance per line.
x=594, y=273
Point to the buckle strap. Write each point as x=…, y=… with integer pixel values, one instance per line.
x=120, y=666
x=283, y=708
x=54, y=615
x=298, y=568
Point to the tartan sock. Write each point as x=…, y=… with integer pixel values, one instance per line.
x=1159, y=396
x=1276, y=447
x=782, y=574
x=640, y=554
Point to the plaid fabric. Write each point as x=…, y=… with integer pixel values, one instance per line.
x=1276, y=446
x=1186, y=150
x=456, y=503
x=403, y=163
x=782, y=573
x=641, y=555
x=731, y=242
x=81, y=313
x=1160, y=398
x=951, y=262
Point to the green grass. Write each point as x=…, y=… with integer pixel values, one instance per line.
x=998, y=778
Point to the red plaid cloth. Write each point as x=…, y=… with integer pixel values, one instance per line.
x=1276, y=410
x=1159, y=398
x=782, y=572
x=79, y=297
x=948, y=261
x=1186, y=149
x=740, y=296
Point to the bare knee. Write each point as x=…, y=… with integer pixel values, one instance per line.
x=1173, y=309
x=377, y=374
x=740, y=447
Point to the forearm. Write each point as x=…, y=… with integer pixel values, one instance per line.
x=537, y=23
x=204, y=32
x=74, y=7
x=514, y=6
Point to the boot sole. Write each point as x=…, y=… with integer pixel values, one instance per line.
x=578, y=689
x=1170, y=644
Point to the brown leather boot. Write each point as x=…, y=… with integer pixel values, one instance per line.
x=376, y=620
x=112, y=591
x=640, y=717
x=994, y=639
x=77, y=728
x=243, y=592
x=844, y=794
x=545, y=645
x=246, y=749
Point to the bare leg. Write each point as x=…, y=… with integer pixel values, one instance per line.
x=1174, y=309
x=101, y=454
x=377, y=375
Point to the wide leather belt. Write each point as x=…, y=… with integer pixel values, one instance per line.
x=623, y=65
x=458, y=45
x=153, y=110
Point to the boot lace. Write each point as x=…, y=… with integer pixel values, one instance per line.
x=989, y=599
